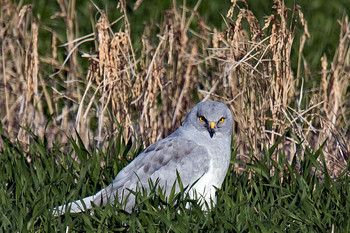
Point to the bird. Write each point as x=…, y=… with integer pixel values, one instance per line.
x=199, y=152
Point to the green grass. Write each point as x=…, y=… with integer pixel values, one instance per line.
x=296, y=198
x=249, y=202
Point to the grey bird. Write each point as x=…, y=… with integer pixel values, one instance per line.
x=199, y=152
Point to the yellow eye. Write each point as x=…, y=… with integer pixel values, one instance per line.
x=221, y=120
x=201, y=118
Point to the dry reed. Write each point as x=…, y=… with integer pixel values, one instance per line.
x=148, y=92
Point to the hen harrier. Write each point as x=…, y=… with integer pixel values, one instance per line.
x=199, y=151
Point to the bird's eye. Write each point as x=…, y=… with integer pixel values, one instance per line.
x=201, y=118
x=221, y=120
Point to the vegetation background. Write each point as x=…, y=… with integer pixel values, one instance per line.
x=86, y=85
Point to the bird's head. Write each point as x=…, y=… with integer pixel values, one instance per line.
x=211, y=117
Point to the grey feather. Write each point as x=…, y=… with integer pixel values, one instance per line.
x=195, y=151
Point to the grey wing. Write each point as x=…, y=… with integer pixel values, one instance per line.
x=190, y=160
x=160, y=161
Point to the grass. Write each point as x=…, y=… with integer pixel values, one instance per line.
x=85, y=89
x=83, y=82
x=295, y=198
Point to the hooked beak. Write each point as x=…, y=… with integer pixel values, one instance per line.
x=211, y=128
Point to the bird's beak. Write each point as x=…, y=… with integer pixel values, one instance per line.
x=212, y=124
x=211, y=128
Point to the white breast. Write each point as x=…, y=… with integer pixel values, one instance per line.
x=205, y=187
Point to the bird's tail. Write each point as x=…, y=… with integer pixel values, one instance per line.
x=78, y=205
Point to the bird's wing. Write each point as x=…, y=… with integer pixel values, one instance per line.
x=160, y=162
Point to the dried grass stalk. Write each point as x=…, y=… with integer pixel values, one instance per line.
x=149, y=93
